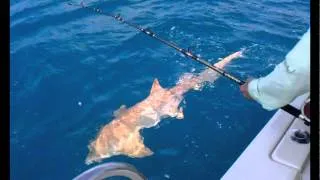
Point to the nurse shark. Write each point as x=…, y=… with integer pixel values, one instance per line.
x=122, y=135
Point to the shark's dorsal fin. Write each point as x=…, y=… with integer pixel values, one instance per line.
x=155, y=86
x=120, y=111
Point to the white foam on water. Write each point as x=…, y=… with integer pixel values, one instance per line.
x=167, y=176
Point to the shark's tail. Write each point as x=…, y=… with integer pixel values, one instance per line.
x=221, y=64
x=210, y=75
x=196, y=82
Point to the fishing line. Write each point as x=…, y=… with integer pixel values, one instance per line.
x=288, y=108
x=171, y=44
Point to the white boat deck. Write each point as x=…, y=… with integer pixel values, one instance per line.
x=272, y=154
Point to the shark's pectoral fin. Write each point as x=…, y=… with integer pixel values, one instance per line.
x=145, y=152
x=120, y=111
x=147, y=121
x=148, y=118
x=134, y=146
x=142, y=152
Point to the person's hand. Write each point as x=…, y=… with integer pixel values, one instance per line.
x=244, y=89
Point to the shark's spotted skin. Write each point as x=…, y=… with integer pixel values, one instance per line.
x=121, y=136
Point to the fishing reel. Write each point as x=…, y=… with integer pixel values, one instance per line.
x=305, y=112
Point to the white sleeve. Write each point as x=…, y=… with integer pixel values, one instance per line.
x=288, y=80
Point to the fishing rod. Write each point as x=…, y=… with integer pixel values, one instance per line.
x=155, y=36
x=288, y=108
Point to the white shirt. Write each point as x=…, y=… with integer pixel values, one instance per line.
x=288, y=80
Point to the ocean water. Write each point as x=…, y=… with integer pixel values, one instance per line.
x=71, y=68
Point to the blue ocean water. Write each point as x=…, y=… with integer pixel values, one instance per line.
x=71, y=68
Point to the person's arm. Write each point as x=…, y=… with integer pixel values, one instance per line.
x=288, y=80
